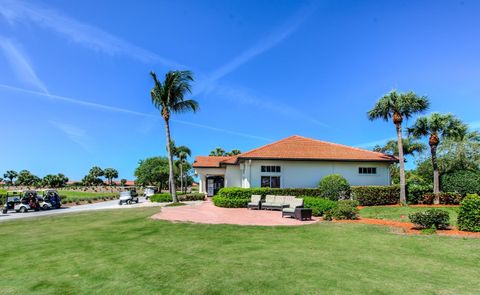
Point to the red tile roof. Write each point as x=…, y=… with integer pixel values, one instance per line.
x=299, y=148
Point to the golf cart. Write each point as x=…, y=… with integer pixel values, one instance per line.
x=149, y=191
x=21, y=202
x=52, y=197
x=128, y=196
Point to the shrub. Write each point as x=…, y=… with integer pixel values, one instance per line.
x=318, y=205
x=445, y=198
x=230, y=202
x=415, y=192
x=345, y=210
x=334, y=187
x=463, y=182
x=192, y=197
x=244, y=193
x=376, y=195
x=161, y=198
x=469, y=214
x=431, y=218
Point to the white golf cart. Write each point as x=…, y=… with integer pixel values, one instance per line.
x=148, y=192
x=21, y=201
x=128, y=196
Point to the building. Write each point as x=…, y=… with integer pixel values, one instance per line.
x=293, y=162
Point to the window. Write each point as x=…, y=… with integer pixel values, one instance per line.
x=367, y=170
x=270, y=181
x=275, y=169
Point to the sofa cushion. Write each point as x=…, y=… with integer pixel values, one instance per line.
x=289, y=210
x=255, y=198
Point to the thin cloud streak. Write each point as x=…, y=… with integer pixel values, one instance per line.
x=267, y=43
x=373, y=143
x=124, y=111
x=20, y=65
x=75, y=134
x=16, y=11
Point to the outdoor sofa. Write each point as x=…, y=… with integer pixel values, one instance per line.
x=255, y=202
x=293, y=205
x=277, y=202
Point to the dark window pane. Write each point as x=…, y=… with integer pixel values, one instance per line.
x=269, y=168
x=278, y=169
x=360, y=170
x=275, y=183
x=265, y=181
x=374, y=170
x=263, y=169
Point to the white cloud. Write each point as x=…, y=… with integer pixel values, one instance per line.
x=20, y=65
x=75, y=134
x=17, y=11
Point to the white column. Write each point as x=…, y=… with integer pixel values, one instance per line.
x=203, y=185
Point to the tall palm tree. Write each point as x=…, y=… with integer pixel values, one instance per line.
x=219, y=152
x=437, y=127
x=169, y=98
x=399, y=106
x=181, y=153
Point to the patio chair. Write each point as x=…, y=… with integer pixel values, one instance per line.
x=255, y=202
x=269, y=202
x=290, y=210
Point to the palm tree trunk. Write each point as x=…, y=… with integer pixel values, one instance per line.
x=181, y=177
x=436, y=174
x=403, y=195
x=171, y=177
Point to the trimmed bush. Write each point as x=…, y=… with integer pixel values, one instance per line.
x=161, y=198
x=230, y=202
x=334, y=187
x=445, y=198
x=469, y=214
x=415, y=192
x=345, y=210
x=192, y=197
x=463, y=182
x=318, y=205
x=244, y=193
x=376, y=195
x=431, y=218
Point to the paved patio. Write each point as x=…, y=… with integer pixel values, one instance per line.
x=206, y=212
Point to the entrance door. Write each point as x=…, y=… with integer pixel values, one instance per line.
x=214, y=184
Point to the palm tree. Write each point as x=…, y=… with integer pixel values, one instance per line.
x=169, y=97
x=218, y=152
x=181, y=153
x=399, y=106
x=437, y=127
x=234, y=152
x=110, y=174
x=410, y=147
x=10, y=175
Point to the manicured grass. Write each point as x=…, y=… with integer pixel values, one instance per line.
x=125, y=252
x=400, y=213
x=74, y=196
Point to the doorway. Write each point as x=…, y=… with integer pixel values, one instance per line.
x=214, y=184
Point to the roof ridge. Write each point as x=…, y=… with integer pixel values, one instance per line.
x=350, y=147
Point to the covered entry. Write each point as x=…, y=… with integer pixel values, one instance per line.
x=214, y=184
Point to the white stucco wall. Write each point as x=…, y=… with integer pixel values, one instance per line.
x=296, y=174
x=304, y=174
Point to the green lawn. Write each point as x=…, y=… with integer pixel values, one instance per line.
x=68, y=196
x=125, y=252
x=396, y=213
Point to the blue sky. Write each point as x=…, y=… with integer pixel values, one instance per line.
x=74, y=75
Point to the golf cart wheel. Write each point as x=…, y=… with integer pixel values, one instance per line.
x=23, y=210
x=120, y=203
x=45, y=207
x=129, y=202
x=136, y=201
x=4, y=211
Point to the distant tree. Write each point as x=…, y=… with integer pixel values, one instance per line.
x=54, y=181
x=96, y=172
x=153, y=171
x=110, y=174
x=410, y=147
x=437, y=127
x=399, y=106
x=10, y=175
x=25, y=177
x=169, y=98
x=181, y=153
x=123, y=182
x=93, y=176
x=220, y=152
x=461, y=153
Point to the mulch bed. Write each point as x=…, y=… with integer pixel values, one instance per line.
x=409, y=228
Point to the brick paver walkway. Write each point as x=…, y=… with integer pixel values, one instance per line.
x=206, y=212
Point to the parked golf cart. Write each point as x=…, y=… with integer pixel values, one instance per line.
x=128, y=196
x=21, y=202
x=52, y=197
x=149, y=191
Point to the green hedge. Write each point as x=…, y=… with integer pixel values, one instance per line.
x=445, y=198
x=462, y=182
x=431, y=218
x=244, y=193
x=230, y=202
x=469, y=213
x=318, y=205
x=334, y=187
x=416, y=192
x=192, y=197
x=161, y=198
x=345, y=210
x=376, y=195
